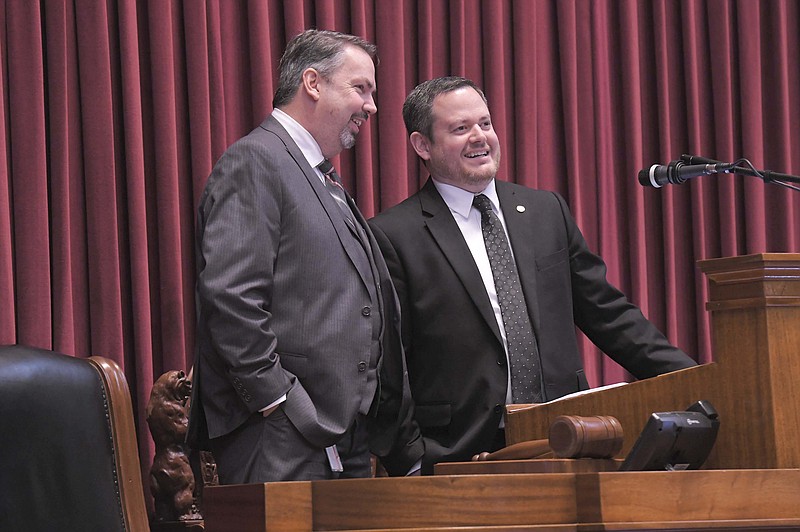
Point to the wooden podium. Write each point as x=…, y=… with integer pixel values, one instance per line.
x=755, y=499
x=754, y=484
x=753, y=383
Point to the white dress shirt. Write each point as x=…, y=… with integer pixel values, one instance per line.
x=304, y=140
x=468, y=219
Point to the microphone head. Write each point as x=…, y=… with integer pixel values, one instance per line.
x=648, y=177
x=644, y=178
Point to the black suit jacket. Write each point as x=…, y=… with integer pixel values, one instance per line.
x=456, y=361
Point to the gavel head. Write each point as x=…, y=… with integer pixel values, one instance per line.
x=586, y=436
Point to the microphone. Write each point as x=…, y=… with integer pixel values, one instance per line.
x=676, y=172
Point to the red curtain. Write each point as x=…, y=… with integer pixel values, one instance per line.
x=114, y=112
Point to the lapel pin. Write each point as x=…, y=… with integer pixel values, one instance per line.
x=520, y=208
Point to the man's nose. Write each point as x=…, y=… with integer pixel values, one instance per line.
x=369, y=106
x=477, y=134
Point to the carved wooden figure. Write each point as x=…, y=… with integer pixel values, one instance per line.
x=172, y=480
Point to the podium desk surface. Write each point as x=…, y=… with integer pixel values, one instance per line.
x=745, y=499
x=537, y=465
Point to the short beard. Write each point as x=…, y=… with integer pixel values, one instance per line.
x=482, y=177
x=347, y=138
x=471, y=181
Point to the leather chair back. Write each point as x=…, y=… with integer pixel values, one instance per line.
x=68, y=454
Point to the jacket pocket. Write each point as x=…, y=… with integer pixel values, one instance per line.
x=551, y=260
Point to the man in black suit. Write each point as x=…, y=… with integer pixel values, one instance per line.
x=299, y=356
x=456, y=329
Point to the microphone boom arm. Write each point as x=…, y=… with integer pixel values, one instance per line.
x=767, y=175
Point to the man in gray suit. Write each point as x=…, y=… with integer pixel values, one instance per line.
x=299, y=370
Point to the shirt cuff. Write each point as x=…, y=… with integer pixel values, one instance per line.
x=416, y=467
x=274, y=403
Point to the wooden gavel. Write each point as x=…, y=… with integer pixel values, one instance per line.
x=569, y=437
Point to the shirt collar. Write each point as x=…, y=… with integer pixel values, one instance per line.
x=460, y=201
x=300, y=135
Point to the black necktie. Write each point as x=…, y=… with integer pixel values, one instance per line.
x=523, y=353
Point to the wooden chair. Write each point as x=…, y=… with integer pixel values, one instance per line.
x=68, y=454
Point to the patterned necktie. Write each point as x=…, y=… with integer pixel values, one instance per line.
x=334, y=185
x=523, y=353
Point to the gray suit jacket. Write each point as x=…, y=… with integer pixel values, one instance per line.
x=283, y=304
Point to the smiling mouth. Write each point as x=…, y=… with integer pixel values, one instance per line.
x=358, y=120
x=477, y=154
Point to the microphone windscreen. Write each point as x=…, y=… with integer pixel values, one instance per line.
x=644, y=178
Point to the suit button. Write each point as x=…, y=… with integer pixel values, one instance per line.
x=501, y=362
x=362, y=366
x=366, y=311
x=498, y=409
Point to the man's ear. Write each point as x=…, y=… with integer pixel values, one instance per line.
x=421, y=145
x=311, y=80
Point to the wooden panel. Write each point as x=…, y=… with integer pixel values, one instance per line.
x=677, y=500
x=259, y=507
x=757, y=347
x=389, y=503
x=690, y=495
x=784, y=377
x=760, y=280
x=446, y=501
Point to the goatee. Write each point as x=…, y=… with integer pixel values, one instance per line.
x=347, y=138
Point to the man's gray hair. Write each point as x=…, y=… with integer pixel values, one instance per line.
x=322, y=50
x=418, y=107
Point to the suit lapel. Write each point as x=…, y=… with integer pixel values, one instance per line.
x=346, y=236
x=444, y=230
x=521, y=232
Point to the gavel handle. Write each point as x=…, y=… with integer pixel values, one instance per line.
x=524, y=450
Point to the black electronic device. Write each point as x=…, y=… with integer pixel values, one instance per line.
x=675, y=440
